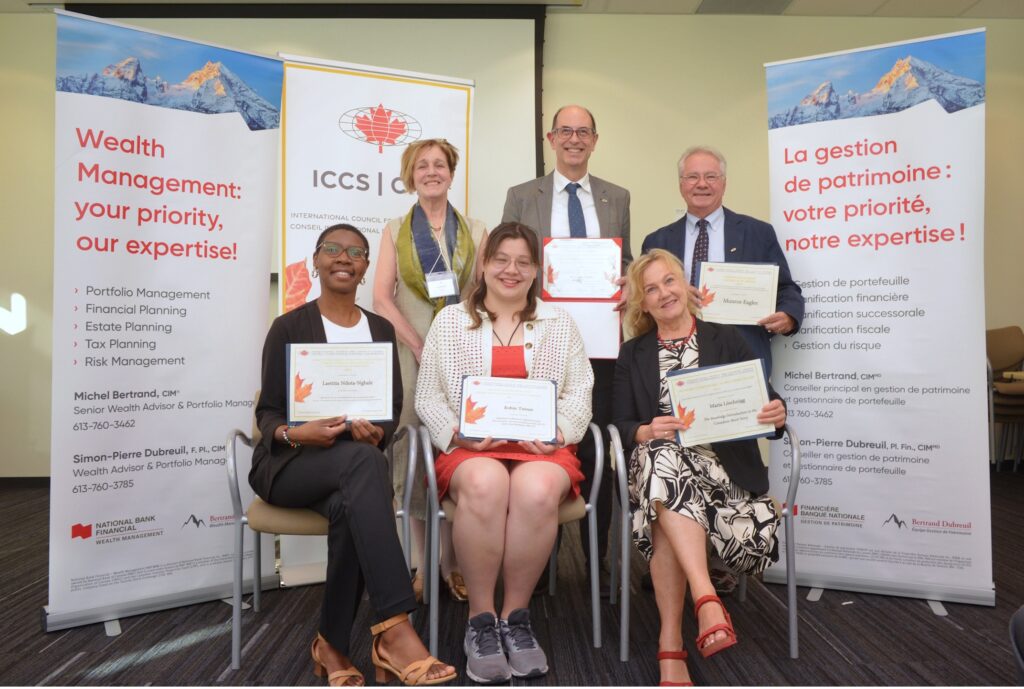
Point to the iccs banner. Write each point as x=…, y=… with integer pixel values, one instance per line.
x=877, y=161
x=345, y=128
x=165, y=198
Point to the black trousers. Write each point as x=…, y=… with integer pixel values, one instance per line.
x=604, y=372
x=349, y=484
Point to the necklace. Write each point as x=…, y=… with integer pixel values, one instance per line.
x=678, y=343
x=511, y=335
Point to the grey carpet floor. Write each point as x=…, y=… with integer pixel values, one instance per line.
x=845, y=638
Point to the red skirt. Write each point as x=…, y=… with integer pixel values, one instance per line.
x=509, y=362
x=565, y=457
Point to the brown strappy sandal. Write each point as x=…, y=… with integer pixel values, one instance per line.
x=338, y=678
x=415, y=673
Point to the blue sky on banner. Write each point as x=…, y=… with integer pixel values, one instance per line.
x=860, y=70
x=88, y=47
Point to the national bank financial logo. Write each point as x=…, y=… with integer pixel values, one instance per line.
x=130, y=528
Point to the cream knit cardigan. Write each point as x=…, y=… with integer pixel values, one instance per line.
x=553, y=350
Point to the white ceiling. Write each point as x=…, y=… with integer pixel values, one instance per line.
x=974, y=9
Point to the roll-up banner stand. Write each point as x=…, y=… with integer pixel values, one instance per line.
x=877, y=160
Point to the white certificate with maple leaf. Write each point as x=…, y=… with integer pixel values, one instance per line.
x=719, y=403
x=508, y=409
x=582, y=268
x=350, y=379
x=737, y=293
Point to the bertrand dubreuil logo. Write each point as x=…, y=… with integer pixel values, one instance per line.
x=193, y=520
x=379, y=126
x=899, y=523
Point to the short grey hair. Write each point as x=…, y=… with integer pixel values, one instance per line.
x=702, y=149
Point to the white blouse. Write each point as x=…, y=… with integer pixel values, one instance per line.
x=553, y=350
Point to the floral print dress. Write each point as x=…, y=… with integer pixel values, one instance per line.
x=691, y=481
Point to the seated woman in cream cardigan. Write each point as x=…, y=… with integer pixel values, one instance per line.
x=507, y=493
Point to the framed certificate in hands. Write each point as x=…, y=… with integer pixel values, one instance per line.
x=328, y=380
x=737, y=293
x=582, y=268
x=508, y=409
x=719, y=403
x=581, y=276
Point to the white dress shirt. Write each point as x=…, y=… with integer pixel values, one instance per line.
x=560, y=207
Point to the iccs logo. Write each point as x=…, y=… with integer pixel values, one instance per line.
x=380, y=127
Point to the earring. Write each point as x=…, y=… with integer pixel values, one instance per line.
x=363, y=281
x=315, y=273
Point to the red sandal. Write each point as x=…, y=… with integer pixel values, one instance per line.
x=730, y=633
x=673, y=655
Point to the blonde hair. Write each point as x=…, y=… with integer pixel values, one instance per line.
x=412, y=152
x=639, y=321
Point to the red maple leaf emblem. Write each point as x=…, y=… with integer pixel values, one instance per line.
x=706, y=297
x=302, y=389
x=473, y=412
x=297, y=285
x=686, y=417
x=379, y=128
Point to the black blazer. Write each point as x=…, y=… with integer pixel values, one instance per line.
x=635, y=394
x=747, y=240
x=302, y=325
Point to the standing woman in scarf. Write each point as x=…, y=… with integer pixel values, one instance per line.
x=427, y=260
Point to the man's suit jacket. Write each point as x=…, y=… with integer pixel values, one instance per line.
x=530, y=204
x=747, y=240
x=636, y=392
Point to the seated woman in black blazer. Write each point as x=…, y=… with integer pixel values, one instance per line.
x=679, y=497
x=335, y=466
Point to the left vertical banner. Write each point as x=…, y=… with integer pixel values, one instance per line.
x=165, y=181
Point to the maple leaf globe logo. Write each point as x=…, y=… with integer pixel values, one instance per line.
x=380, y=127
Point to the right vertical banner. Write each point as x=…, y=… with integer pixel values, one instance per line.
x=877, y=161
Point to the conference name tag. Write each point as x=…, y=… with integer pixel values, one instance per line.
x=442, y=284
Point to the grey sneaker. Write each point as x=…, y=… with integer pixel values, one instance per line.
x=525, y=656
x=485, y=661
